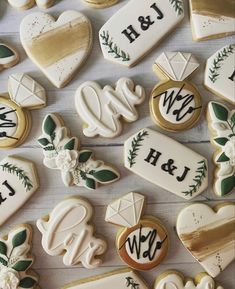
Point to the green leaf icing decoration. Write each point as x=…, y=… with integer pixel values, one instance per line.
x=5, y=51
x=22, y=265
x=3, y=248
x=43, y=141
x=178, y=5
x=70, y=145
x=220, y=111
x=49, y=125
x=105, y=176
x=222, y=158
x=84, y=156
x=113, y=48
x=19, y=239
x=227, y=185
x=90, y=183
x=221, y=140
x=27, y=282
x=3, y=261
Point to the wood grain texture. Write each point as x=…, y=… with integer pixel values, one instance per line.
x=160, y=203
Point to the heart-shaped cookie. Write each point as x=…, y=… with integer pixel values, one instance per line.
x=59, y=47
x=209, y=234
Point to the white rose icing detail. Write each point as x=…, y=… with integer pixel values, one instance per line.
x=229, y=150
x=66, y=160
x=66, y=232
x=9, y=278
x=101, y=109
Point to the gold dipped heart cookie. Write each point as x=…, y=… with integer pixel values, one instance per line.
x=58, y=47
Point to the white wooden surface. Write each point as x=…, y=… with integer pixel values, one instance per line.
x=160, y=203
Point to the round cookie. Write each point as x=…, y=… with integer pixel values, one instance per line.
x=27, y=4
x=100, y=3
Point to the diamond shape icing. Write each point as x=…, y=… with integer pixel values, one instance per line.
x=126, y=211
x=177, y=65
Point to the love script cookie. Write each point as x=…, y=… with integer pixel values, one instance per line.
x=175, y=103
x=8, y=56
x=100, y=3
x=142, y=243
x=142, y=24
x=16, y=260
x=209, y=235
x=212, y=18
x=26, y=4
x=18, y=182
x=119, y=279
x=67, y=231
x=101, y=109
x=174, y=279
x=179, y=170
x=62, y=152
x=220, y=73
x=222, y=125
x=15, y=120
x=41, y=35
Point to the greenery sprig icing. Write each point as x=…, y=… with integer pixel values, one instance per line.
x=178, y=5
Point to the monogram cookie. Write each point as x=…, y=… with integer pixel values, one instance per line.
x=143, y=24
x=222, y=126
x=174, y=279
x=100, y=3
x=15, y=121
x=67, y=231
x=220, y=73
x=62, y=152
x=142, y=243
x=175, y=103
x=101, y=109
x=41, y=35
x=8, y=56
x=212, y=18
x=18, y=182
x=26, y=4
x=179, y=170
x=119, y=279
x=16, y=260
x=209, y=234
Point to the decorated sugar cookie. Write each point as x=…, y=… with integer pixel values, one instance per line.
x=26, y=4
x=41, y=35
x=101, y=109
x=8, y=56
x=175, y=104
x=142, y=25
x=62, y=152
x=142, y=243
x=18, y=182
x=16, y=260
x=119, y=279
x=179, y=170
x=220, y=73
x=176, y=280
x=212, y=18
x=100, y=3
x=66, y=231
x=15, y=121
x=222, y=125
x=209, y=235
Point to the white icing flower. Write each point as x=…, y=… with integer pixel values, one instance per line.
x=9, y=278
x=229, y=150
x=66, y=160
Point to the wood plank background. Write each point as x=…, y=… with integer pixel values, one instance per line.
x=161, y=203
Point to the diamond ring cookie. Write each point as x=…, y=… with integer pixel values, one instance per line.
x=221, y=122
x=15, y=121
x=27, y=4
x=174, y=279
x=179, y=170
x=142, y=243
x=8, y=56
x=18, y=182
x=100, y=3
x=142, y=25
x=119, y=279
x=175, y=104
x=102, y=108
x=41, y=35
x=67, y=231
x=220, y=73
x=62, y=152
x=209, y=235
x=16, y=260
x=212, y=18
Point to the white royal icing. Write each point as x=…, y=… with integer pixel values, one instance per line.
x=220, y=73
x=9, y=278
x=101, y=109
x=25, y=4
x=179, y=169
x=67, y=232
x=200, y=221
x=18, y=181
x=142, y=25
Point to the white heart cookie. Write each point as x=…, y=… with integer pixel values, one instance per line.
x=209, y=235
x=26, y=4
x=59, y=47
